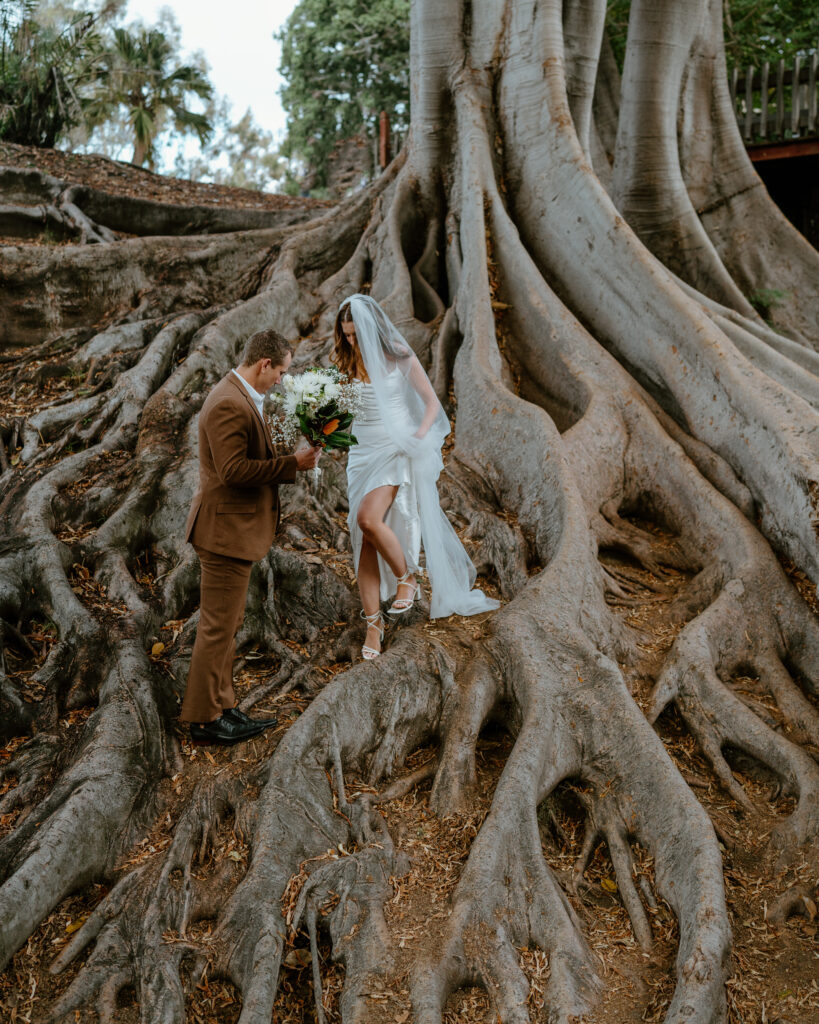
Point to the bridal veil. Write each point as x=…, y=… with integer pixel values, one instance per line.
x=449, y=568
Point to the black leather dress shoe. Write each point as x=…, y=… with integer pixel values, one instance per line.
x=225, y=730
x=239, y=716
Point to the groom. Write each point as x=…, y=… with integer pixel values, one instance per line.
x=231, y=524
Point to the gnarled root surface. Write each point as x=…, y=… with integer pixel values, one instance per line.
x=621, y=437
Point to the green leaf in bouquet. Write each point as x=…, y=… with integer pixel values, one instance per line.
x=308, y=429
x=340, y=439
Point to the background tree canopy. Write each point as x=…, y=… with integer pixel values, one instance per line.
x=343, y=63
x=754, y=31
x=44, y=69
x=239, y=153
x=65, y=70
x=141, y=73
x=72, y=75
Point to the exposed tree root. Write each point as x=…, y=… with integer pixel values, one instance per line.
x=85, y=214
x=726, y=397
x=798, y=900
x=41, y=202
x=758, y=246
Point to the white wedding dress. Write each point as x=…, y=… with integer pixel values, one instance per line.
x=376, y=462
x=401, y=427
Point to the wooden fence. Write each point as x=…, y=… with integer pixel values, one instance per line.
x=774, y=102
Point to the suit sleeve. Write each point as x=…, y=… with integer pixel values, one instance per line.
x=226, y=431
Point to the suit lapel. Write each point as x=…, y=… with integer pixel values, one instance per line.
x=244, y=393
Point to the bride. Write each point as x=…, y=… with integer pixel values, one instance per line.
x=392, y=474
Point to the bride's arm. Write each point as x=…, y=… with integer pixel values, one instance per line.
x=421, y=383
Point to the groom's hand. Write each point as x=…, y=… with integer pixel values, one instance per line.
x=307, y=457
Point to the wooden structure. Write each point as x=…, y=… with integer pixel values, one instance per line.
x=383, y=139
x=776, y=108
x=389, y=141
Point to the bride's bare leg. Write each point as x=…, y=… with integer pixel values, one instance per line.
x=368, y=578
x=378, y=538
x=374, y=507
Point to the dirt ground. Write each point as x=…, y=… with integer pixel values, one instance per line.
x=775, y=970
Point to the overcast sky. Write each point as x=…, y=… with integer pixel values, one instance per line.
x=237, y=40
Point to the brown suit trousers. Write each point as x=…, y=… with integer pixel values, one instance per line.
x=231, y=523
x=223, y=592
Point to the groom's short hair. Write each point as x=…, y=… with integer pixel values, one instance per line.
x=266, y=344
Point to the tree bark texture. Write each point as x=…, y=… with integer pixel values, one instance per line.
x=573, y=257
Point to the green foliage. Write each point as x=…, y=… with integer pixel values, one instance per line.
x=44, y=70
x=617, y=28
x=754, y=31
x=141, y=75
x=765, y=300
x=343, y=62
x=67, y=72
x=292, y=187
x=239, y=153
x=313, y=426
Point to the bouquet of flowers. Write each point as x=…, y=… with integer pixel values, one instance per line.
x=320, y=404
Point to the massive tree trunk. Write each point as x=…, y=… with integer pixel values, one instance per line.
x=625, y=425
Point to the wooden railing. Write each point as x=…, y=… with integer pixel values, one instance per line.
x=774, y=103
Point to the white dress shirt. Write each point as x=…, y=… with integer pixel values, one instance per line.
x=258, y=400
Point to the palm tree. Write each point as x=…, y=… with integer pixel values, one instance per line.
x=142, y=76
x=45, y=72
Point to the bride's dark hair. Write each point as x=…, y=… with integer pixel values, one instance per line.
x=343, y=354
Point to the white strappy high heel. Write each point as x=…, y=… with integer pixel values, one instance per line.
x=368, y=653
x=403, y=604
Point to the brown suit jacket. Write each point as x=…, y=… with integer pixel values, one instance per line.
x=235, y=510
